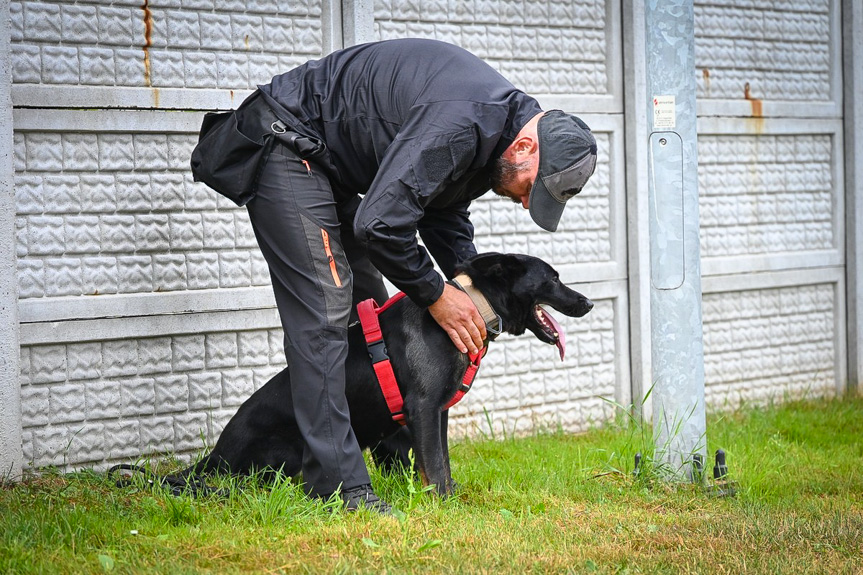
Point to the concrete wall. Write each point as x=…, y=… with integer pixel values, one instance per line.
x=145, y=308
x=771, y=192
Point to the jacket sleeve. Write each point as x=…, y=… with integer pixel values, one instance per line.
x=448, y=235
x=417, y=167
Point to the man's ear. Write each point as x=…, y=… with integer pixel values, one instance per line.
x=525, y=146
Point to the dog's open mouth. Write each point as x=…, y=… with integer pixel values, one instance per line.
x=551, y=328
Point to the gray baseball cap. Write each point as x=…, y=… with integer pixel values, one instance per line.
x=567, y=158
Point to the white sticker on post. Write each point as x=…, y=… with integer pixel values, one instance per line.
x=664, y=116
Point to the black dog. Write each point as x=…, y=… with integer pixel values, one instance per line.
x=264, y=434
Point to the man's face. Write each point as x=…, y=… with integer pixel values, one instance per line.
x=513, y=180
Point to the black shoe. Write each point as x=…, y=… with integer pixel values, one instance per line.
x=364, y=496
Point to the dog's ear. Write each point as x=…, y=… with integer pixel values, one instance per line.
x=494, y=271
x=499, y=267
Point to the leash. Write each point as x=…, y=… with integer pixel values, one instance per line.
x=369, y=311
x=193, y=485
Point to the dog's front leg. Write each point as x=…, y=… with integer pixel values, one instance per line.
x=444, y=422
x=425, y=427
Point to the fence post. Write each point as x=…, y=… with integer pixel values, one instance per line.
x=677, y=356
x=852, y=40
x=358, y=22
x=10, y=391
x=637, y=225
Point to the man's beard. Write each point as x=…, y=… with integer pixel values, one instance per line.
x=503, y=172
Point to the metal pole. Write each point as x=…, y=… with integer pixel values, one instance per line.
x=675, y=266
x=10, y=391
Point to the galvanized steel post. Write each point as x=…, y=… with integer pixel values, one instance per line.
x=675, y=267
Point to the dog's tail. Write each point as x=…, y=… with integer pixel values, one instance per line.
x=185, y=483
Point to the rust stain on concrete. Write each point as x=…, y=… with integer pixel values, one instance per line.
x=757, y=110
x=148, y=41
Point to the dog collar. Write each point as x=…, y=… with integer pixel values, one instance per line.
x=489, y=316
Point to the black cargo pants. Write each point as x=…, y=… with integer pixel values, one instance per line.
x=318, y=273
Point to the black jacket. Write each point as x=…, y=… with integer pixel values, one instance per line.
x=413, y=125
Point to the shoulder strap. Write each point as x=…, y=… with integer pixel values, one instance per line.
x=468, y=378
x=368, y=311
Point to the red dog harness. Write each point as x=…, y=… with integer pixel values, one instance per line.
x=368, y=311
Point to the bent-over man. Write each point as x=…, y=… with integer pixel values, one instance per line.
x=389, y=139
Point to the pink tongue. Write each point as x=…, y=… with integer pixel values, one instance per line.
x=561, y=341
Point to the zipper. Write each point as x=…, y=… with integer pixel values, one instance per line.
x=330, y=258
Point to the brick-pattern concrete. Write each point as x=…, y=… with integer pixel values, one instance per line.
x=780, y=50
x=186, y=44
x=770, y=199
x=769, y=345
x=766, y=194
x=545, y=46
x=96, y=403
x=106, y=213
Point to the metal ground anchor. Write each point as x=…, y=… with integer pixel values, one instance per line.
x=723, y=487
x=697, y=468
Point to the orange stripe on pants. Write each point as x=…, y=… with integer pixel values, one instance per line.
x=330, y=257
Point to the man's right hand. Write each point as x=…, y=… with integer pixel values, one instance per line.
x=456, y=313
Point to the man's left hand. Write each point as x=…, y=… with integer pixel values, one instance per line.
x=456, y=313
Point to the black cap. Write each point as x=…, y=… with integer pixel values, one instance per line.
x=567, y=158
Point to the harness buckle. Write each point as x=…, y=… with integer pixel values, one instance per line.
x=378, y=351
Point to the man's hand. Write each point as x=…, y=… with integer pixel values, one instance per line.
x=456, y=313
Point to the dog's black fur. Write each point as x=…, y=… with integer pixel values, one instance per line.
x=264, y=434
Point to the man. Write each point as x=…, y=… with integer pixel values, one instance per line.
x=412, y=131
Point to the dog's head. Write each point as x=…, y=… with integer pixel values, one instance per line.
x=517, y=286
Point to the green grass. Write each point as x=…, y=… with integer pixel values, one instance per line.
x=552, y=503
